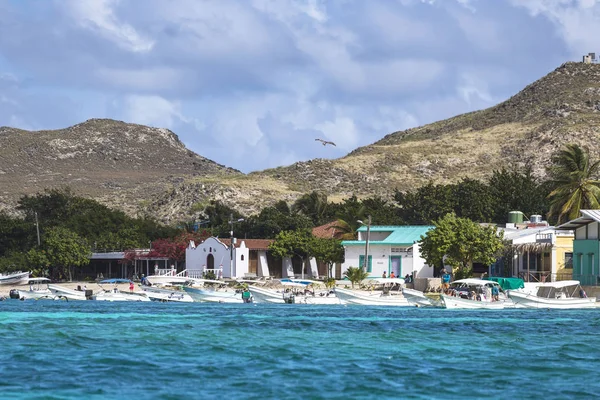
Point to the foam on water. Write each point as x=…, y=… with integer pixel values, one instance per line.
x=71, y=350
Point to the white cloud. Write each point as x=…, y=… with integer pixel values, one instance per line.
x=577, y=22
x=98, y=16
x=152, y=110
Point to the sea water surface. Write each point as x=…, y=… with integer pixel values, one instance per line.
x=101, y=350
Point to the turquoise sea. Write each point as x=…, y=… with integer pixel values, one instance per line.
x=100, y=350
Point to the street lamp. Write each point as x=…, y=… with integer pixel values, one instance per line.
x=231, y=264
x=368, y=224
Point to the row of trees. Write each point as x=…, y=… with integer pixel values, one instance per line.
x=68, y=222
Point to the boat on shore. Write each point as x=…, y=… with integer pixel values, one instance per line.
x=114, y=294
x=386, y=292
x=557, y=295
x=212, y=291
x=294, y=292
x=70, y=294
x=474, y=293
x=14, y=278
x=38, y=289
x=166, y=294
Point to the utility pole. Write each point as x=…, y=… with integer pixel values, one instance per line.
x=368, y=224
x=231, y=263
x=37, y=227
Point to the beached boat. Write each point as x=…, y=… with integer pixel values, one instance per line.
x=114, y=294
x=38, y=289
x=70, y=294
x=14, y=278
x=474, y=293
x=560, y=295
x=166, y=295
x=387, y=292
x=418, y=298
x=294, y=292
x=212, y=291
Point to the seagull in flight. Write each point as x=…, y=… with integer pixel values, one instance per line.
x=325, y=142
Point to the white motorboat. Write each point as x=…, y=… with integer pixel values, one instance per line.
x=69, y=294
x=14, y=278
x=474, y=293
x=114, y=294
x=417, y=298
x=212, y=291
x=38, y=289
x=387, y=292
x=559, y=295
x=166, y=295
x=294, y=292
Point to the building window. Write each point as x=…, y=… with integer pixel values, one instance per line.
x=569, y=260
x=242, y=258
x=396, y=250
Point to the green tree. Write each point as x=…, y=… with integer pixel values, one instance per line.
x=473, y=200
x=329, y=251
x=313, y=205
x=297, y=243
x=62, y=250
x=459, y=242
x=272, y=220
x=356, y=274
x=574, y=179
x=426, y=204
x=517, y=190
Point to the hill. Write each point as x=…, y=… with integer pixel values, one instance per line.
x=143, y=169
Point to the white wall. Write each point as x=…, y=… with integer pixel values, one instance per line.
x=411, y=261
x=196, y=258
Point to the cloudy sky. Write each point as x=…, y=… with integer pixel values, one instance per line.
x=251, y=83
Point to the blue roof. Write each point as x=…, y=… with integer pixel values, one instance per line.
x=399, y=235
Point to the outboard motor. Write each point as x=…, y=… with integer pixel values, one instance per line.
x=89, y=294
x=14, y=294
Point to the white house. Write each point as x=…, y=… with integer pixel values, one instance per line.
x=391, y=249
x=248, y=257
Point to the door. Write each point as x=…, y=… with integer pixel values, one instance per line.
x=396, y=266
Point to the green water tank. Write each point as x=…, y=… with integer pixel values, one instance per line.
x=515, y=217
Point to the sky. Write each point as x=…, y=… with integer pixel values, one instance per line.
x=251, y=84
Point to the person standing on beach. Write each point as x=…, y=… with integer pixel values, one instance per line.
x=131, y=286
x=384, y=275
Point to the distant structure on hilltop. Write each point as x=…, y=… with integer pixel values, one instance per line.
x=590, y=58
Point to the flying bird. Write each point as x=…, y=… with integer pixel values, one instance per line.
x=325, y=142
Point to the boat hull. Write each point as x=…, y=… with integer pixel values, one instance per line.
x=17, y=278
x=166, y=295
x=352, y=297
x=213, y=296
x=262, y=295
x=69, y=294
x=36, y=294
x=527, y=300
x=454, y=302
x=417, y=298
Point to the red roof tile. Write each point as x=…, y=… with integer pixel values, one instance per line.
x=252, y=244
x=327, y=231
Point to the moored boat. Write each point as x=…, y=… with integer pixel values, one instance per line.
x=559, y=295
x=38, y=289
x=387, y=292
x=166, y=295
x=474, y=293
x=70, y=294
x=14, y=278
x=213, y=291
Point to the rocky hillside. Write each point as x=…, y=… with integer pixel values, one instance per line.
x=145, y=169
x=122, y=165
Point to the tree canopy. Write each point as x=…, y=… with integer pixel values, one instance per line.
x=459, y=242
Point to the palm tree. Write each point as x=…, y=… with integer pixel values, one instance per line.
x=573, y=176
x=313, y=205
